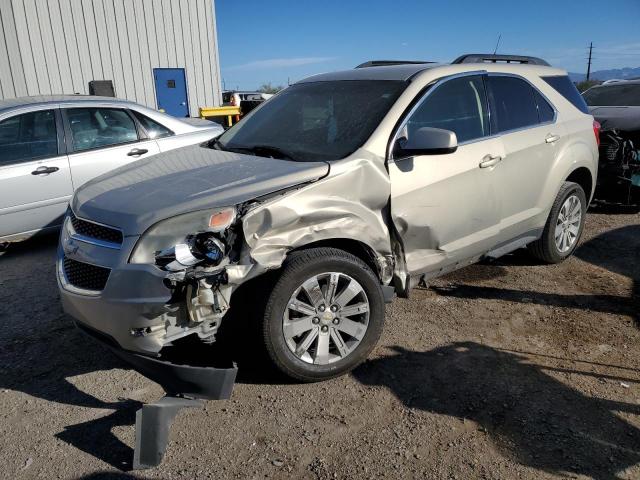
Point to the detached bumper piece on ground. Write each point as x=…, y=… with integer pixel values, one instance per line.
x=186, y=386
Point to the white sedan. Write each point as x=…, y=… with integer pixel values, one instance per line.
x=49, y=146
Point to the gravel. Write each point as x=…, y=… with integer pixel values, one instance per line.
x=502, y=370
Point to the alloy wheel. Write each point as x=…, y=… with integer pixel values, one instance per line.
x=326, y=318
x=568, y=224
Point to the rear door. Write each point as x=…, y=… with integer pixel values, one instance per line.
x=525, y=120
x=35, y=180
x=446, y=208
x=100, y=139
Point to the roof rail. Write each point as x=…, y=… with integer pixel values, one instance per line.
x=382, y=63
x=492, y=58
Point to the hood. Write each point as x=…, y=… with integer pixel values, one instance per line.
x=621, y=118
x=137, y=195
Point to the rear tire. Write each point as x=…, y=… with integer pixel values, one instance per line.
x=323, y=316
x=564, y=225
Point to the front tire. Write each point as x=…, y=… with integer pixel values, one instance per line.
x=564, y=225
x=323, y=316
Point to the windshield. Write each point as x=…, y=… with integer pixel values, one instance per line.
x=314, y=121
x=614, y=96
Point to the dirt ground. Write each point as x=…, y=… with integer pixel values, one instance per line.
x=505, y=370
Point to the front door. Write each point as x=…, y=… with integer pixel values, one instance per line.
x=35, y=181
x=446, y=207
x=171, y=91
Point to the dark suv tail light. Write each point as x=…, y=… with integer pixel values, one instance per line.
x=596, y=131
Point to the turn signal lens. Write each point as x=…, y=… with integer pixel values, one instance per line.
x=596, y=131
x=221, y=220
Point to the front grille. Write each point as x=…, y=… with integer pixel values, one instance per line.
x=84, y=275
x=94, y=230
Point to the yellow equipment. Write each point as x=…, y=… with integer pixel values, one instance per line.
x=227, y=111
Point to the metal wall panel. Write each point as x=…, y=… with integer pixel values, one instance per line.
x=196, y=77
x=77, y=78
x=13, y=51
x=6, y=82
x=59, y=46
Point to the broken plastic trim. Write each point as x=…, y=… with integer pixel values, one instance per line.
x=185, y=386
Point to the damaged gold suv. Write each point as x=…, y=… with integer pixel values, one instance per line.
x=337, y=194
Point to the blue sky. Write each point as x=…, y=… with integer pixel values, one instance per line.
x=277, y=40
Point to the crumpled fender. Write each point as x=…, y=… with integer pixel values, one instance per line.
x=347, y=204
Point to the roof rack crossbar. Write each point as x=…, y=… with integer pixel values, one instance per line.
x=492, y=58
x=382, y=63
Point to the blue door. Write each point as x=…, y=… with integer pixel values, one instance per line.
x=171, y=91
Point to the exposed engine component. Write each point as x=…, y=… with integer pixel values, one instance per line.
x=206, y=305
x=200, y=248
x=619, y=169
x=198, y=278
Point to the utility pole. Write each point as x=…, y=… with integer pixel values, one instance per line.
x=589, y=63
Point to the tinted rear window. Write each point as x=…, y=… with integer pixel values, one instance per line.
x=545, y=111
x=512, y=104
x=565, y=87
x=27, y=137
x=619, y=95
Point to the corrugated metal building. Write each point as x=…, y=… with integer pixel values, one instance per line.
x=161, y=53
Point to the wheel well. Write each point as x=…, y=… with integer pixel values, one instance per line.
x=582, y=176
x=354, y=247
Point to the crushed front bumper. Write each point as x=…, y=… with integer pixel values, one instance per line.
x=185, y=387
x=131, y=298
x=127, y=307
x=134, y=299
x=181, y=379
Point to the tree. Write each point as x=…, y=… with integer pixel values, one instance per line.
x=268, y=88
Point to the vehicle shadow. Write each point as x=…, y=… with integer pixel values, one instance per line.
x=41, y=352
x=109, y=476
x=616, y=250
x=529, y=415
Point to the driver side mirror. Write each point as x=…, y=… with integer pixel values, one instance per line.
x=426, y=141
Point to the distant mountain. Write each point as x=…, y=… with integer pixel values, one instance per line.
x=618, y=73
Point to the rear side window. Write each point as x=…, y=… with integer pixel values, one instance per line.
x=545, y=110
x=30, y=136
x=457, y=105
x=512, y=104
x=100, y=127
x=563, y=85
x=153, y=128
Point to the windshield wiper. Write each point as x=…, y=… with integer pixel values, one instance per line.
x=214, y=143
x=258, y=150
x=268, y=150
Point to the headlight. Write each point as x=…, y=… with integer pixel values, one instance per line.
x=180, y=230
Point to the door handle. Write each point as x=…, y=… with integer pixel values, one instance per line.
x=44, y=170
x=490, y=161
x=136, y=152
x=551, y=138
